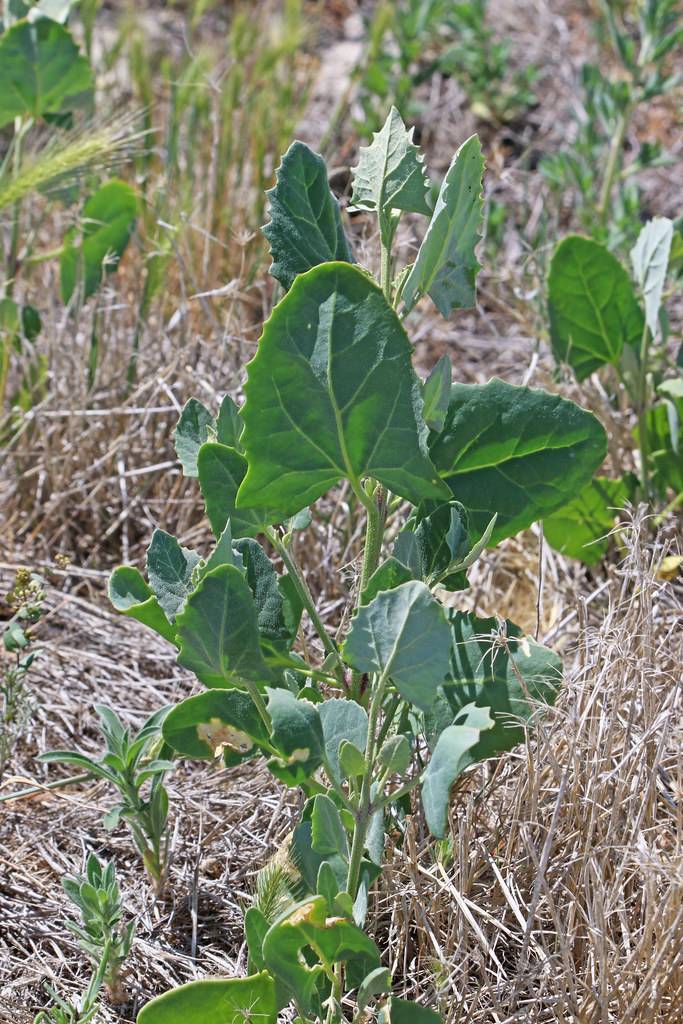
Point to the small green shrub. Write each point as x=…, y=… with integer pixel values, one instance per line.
x=132, y=763
x=601, y=316
x=414, y=692
x=26, y=599
x=100, y=932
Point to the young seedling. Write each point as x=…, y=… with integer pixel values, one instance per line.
x=100, y=932
x=26, y=598
x=600, y=316
x=83, y=1011
x=132, y=763
x=412, y=692
x=641, y=39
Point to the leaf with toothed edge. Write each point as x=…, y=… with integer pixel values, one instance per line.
x=446, y=265
x=515, y=452
x=391, y=174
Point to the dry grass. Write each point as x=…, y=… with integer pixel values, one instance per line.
x=556, y=898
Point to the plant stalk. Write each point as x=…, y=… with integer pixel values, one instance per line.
x=612, y=165
x=363, y=814
x=306, y=599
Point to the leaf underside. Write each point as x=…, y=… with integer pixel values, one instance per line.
x=446, y=265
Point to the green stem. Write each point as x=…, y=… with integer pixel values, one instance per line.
x=374, y=536
x=307, y=601
x=613, y=159
x=57, y=784
x=258, y=700
x=387, y=230
x=363, y=814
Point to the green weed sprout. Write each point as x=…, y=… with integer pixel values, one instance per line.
x=130, y=764
x=100, y=932
x=409, y=692
x=27, y=598
x=63, y=1011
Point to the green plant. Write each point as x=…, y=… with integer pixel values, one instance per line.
x=64, y=1011
x=412, y=40
x=131, y=763
x=413, y=692
x=100, y=933
x=600, y=316
x=45, y=81
x=642, y=38
x=26, y=599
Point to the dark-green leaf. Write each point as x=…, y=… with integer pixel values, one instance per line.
x=218, y=632
x=502, y=670
x=210, y=723
x=108, y=219
x=305, y=226
x=403, y=635
x=331, y=393
x=580, y=528
x=221, y=470
x=131, y=595
x=592, y=304
x=517, y=452
x=41, y=71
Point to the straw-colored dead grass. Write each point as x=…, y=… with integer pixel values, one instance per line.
x=556, y=898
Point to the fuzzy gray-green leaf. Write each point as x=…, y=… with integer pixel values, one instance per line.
x=402, y=634
x=195, y=426
x=650, y=260
x=446, y=265
x=169, y=570
x=391, y=174
x=450, y=757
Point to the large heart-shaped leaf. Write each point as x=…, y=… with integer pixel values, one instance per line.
x=515, y=452
x=218, y=632
x=331, y=393
x=391, y=174
x=446, y=266
x=305, y=226
x=41, y=71
x=580, y=528
x=108, y=219
x=215, y=1001
x=592, y=304
x=502, y=670
x=215, y=722
x=402, y=1011
x=452, y=754
x=131, y=595
x=650, y=260
x=403, y=635
x=169, y=571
